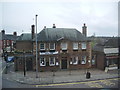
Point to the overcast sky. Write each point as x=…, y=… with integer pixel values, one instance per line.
x=101, y=17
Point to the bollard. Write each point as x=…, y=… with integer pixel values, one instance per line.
x=88, y=75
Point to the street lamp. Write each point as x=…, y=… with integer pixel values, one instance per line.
x=36, y=49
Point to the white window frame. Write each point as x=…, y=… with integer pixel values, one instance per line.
x=84, y=45
x=75, y=46
x=53, y=61
x=64, y=46
x=40, y=46
x=76, y=60
x=4, y=43
x=50, y=46
x=44, y=61
x=83, y=61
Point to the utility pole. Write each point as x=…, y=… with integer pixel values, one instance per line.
x=36, y=50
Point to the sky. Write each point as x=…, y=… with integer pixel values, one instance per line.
x=100, y=16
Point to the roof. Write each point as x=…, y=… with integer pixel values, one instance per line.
x=8, y=37
x=24, y=37
x=55, y=34
x=112, y=43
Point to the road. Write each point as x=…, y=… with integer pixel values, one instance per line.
x=107, y=83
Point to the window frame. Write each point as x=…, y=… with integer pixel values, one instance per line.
x=66, y=46
x=53, y=61
x=76, y=60
x=74, y=45
x=40, y=46
x=85, y=60
x=83, y=45
x=50, y=47
x=44, y=61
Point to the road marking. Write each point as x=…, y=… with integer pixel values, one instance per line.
x=60, y=84
x=93, y=84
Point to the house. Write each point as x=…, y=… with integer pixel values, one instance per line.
x=107, y=54
x=8, y=42
x=24, y=51
x=62, y=48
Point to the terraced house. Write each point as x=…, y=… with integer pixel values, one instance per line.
x=62, y=48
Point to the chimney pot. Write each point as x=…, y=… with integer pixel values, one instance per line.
x=15, y=33
x=54, y=26
x=3, y=31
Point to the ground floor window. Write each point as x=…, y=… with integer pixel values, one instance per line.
x=83, y=60
x=52, y=61
x=42, y=61
x=93, y=60
x=75, y=60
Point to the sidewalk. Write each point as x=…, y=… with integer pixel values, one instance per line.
x=59, y=76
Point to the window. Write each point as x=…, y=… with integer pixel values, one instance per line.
x=12, y=43
x=83, y=45
x=52, y=61
x=8, y=42
x=42, y=46
x=42, y=61
x=93, y=60
x=83, y=60
x=64, y=46
x=75, y=60
x=75, y=46
x=52, y=46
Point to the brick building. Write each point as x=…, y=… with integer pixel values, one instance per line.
x=8, y=42
x=58, y=48
x=62, y=48
x=107, y=54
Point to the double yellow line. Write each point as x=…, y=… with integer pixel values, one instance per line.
x=60, y=84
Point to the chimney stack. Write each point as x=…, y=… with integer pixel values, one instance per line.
x=54, y=26
x=44, y=27
x=84, y=30
x=3, y=32
x=33, y=31
x=15, y=33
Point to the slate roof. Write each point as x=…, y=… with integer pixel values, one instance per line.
x=9, y=37
x=112, y=43
x=55, y=34
x=24, y=37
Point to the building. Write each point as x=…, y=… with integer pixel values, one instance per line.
x=58, y=48
x=8, y=42
x=62, y=48
x=107, y=54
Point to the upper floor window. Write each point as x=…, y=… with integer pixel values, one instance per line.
x=52, y=46
x=42, y=61
x=83, y=60
x=42, y=46
x=75, y=46
x=64, y=46
x=83, y=45
x=52, y=61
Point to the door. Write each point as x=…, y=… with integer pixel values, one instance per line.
x=29, y=65
x=64, y=64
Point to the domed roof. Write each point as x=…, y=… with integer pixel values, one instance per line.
x=55, y=34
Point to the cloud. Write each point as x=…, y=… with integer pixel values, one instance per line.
x=100, y=17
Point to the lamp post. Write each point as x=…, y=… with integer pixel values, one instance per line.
x=36, y=50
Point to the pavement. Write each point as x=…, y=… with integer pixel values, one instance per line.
x=61, y=76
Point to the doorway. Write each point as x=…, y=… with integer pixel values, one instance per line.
x=64, y=64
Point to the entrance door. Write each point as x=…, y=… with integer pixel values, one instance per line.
x=64, y=64
x=29, y=65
